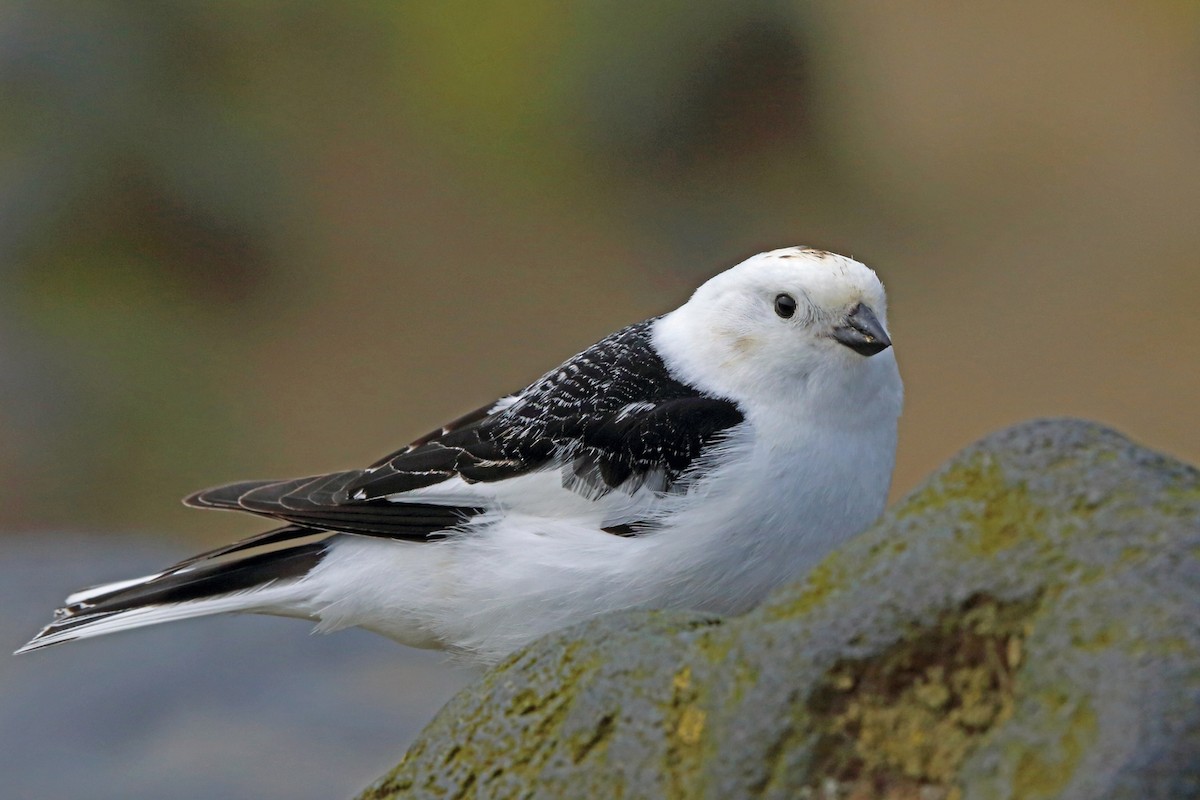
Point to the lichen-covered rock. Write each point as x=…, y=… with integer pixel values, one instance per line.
x=1026, y=625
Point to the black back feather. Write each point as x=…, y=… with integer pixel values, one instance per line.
x=613, y=417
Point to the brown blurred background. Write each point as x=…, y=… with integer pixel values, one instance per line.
x=267, y=239
x=259, y=240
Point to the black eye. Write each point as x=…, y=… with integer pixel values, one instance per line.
x=785, y=305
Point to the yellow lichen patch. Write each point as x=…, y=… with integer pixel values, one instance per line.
x=962, y=480
x=691, y=725
x=1013, y=651
x=821, y=582
x=1005, y=518
x=1095, y=639
x=993, y=512
x=1045, y=774
x=1181, y=500
x=995, y=515
x=715, y=643
x=682, y=682
x=903, y=721
x=685, y=721
x=541, y=711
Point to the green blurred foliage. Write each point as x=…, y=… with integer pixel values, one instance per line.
x=256, y=239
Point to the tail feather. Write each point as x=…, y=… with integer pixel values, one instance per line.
x=179, y=593
x=91, y=593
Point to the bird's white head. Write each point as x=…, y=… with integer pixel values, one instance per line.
x=796, y=327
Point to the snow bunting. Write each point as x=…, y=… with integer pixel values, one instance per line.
x=695, y=461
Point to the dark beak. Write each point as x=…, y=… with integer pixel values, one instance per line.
x=862, y=332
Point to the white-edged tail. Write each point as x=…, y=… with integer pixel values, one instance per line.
x=92, y=592
x=256, y=583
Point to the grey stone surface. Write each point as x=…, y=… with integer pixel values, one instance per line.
x=1025, y=625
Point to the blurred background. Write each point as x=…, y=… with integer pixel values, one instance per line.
x=268, y=239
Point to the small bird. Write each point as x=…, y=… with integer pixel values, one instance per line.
x=695, y=460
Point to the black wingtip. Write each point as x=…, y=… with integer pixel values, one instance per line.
x=226, y=496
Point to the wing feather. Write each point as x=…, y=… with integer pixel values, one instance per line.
x=611, y=418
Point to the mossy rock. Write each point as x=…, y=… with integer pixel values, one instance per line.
x=1025, y=625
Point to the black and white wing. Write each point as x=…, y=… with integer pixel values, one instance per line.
x=611, y=420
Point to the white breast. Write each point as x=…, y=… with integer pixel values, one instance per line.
x=778, y=496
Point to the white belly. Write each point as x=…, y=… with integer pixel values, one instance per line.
x=762, y=519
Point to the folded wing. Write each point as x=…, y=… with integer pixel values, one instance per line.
x=610, y=421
